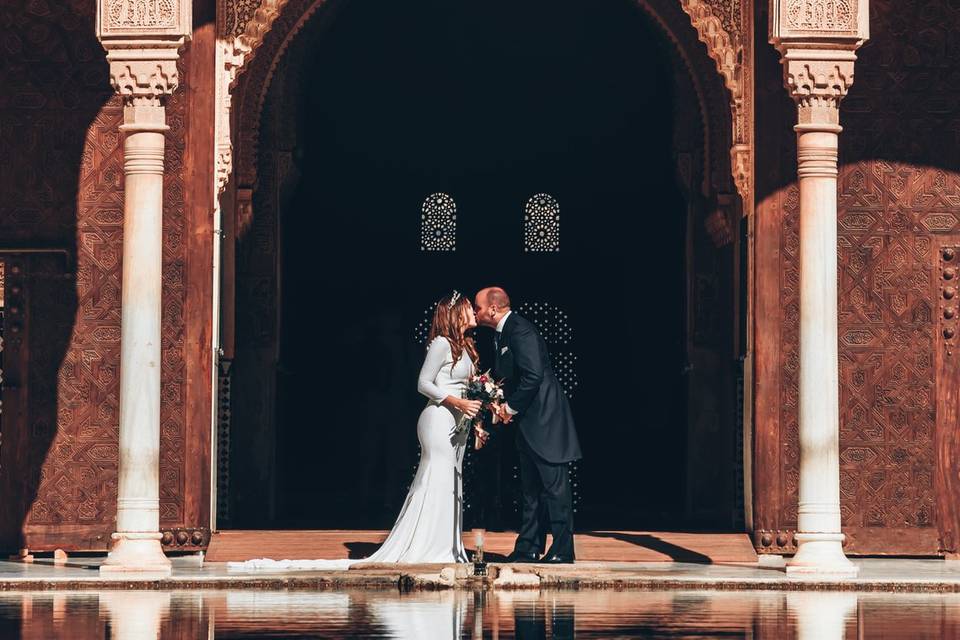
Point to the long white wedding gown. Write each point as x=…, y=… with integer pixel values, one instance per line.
x=429, y=527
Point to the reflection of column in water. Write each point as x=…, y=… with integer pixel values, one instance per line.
x=59, y=609
x=135, y=615
x=821, y=615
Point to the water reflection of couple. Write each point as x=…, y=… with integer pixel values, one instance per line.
x=459, y=614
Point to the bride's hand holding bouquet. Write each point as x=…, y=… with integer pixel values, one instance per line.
x=488, y=393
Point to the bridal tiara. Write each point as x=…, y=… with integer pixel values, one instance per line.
x=454, y=298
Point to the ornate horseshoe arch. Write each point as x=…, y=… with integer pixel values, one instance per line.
x=253, y=35
x=707, y=46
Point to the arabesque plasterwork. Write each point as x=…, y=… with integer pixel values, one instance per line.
x=724, y=26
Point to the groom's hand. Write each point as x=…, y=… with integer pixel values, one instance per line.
x=481, y=437
x=503, y=415
x=494, y=412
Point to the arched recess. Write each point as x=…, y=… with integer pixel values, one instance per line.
x=725, y=27
x=712, y=160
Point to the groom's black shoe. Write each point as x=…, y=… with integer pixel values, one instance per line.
x=529, y=557
x=555, y=559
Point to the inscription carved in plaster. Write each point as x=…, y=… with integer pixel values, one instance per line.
x=126, y=14
x=822, y=15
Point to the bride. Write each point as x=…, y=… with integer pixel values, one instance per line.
x=429, y=527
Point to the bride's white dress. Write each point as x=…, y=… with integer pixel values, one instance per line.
x=430, y=524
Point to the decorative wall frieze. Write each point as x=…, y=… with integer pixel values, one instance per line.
x=138, y=17
x=824, y=17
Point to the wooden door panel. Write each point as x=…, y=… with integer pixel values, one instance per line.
x=946, y=273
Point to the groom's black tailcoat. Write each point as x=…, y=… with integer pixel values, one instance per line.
x=532, y=389
x=546, y=438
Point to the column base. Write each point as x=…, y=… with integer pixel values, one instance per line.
x=820, y=555
x=136, y=553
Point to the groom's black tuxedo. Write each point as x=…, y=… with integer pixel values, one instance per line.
x=532, y=389
x=546, y=437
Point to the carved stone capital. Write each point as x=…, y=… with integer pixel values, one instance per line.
x=142, y=40
x=818, y=40
x=143, y=73
x=818, y=80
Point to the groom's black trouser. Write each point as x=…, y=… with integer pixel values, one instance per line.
x=547, y=504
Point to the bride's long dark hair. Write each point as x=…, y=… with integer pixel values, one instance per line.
x=450, y=321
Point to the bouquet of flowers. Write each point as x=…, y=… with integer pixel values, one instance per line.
x=484, y=388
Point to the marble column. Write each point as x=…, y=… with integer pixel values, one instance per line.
x=819, y=540
x=144, y=73
x=818, y=49
x=136, y=543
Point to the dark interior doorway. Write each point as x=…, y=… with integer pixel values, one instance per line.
x=489, y=104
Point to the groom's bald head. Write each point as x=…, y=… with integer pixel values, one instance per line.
x=491, y=304
x=496, y=297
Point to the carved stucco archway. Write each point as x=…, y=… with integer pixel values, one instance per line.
x=706, y=58
x=724, y=26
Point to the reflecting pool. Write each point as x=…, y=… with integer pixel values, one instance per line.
x=137, y=615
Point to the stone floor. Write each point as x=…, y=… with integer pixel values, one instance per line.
x=915, y=575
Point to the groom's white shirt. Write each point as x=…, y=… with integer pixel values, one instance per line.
x=500, y=324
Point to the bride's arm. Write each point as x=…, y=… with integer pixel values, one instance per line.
x=437, y=355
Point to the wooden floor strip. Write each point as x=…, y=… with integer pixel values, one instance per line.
x=605, y=546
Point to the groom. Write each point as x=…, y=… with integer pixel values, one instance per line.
x=546, y=437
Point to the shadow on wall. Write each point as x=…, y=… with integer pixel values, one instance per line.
x=61, y=177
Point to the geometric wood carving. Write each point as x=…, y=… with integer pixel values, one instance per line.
x=886, y=310
x=897, y=190
x=68, y=123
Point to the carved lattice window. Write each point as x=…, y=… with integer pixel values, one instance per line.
x=438, y=223
x=541, y=224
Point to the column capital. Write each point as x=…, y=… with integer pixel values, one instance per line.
x=143, y=73
x=817, y=41
x=815, y=77
x=142, y=41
